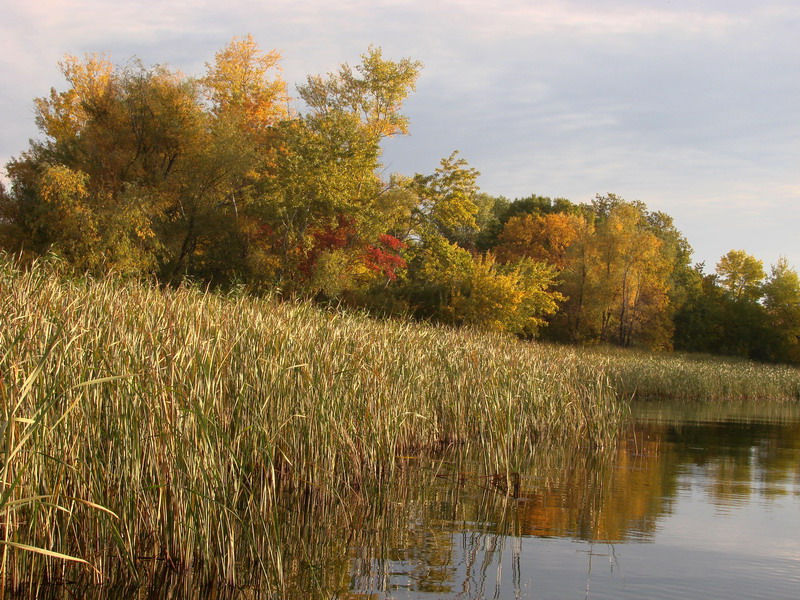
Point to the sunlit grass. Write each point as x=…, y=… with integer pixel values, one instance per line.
x=143, y=426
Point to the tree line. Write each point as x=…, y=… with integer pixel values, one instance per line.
x=219, y=179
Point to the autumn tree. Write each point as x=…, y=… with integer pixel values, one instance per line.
x=145, y=169
x=449, y=284
x=502, y=210
x=541, y=237
x=445, y=201
x=243, y=83
x=326, y=180
x=109, y=164
x=514, y=297
x=373, y=92
x=577, y=282
x=616, y=277
x=634, y=275
x=741, y=275
x=448, y=279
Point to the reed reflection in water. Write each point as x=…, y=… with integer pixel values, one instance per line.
x=694, y=501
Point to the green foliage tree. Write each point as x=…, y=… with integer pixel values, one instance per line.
x=445, y=202
x=782, y=302
x=715, y=320
x=698, y=322
x=325, y=195
x=373, y=92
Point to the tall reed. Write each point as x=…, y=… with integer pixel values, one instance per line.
x=694, y=376
x=143, y=426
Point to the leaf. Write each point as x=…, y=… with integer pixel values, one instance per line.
x=50, y=553
x=100, y=380
x=97, y=506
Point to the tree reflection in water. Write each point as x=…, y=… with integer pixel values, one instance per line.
x=449, y=532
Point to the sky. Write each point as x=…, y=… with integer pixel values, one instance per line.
x=691, y=106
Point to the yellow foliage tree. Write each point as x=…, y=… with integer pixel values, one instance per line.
x=63, y=115
x=617, y=278
x=513, y=297
x=70, y=221
x=243, y=82
x=374, y=92
x=741, y=275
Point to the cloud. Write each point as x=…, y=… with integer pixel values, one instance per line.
x=520, y=17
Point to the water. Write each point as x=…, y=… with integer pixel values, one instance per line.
x=697, y=502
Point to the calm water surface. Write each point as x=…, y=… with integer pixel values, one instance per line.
x=697, y=502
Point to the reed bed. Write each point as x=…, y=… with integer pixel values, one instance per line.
x=145, y=427
x=701, y=377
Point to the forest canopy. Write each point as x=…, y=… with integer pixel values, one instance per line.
x=219, y=179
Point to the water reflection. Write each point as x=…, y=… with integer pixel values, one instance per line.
x=694, y=501
x=460, y=533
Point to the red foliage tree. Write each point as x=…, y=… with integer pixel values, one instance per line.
x=384, y=257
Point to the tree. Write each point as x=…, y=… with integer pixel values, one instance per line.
x=447, y=283
x=243, y=83
x=63, y=115
x=541, y=237
x=114, y=145
x=782, y=302
x=373, y=92
x=513, y=297
x=634, y=279
x=616, y=277
x=715, y=320
x=439, y=217
x=741, y=275
x=165, y=181
x=325, y=178
x=147, y=170
x=444, y=202
x=698, y=321
x=577, y=283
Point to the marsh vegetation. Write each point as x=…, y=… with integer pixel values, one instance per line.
x=144, y=425
x=177, y=428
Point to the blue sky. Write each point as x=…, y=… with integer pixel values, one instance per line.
x=690, y=106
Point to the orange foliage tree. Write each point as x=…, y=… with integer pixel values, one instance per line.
x=539, y=237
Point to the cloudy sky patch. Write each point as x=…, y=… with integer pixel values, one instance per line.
x=689, y=106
